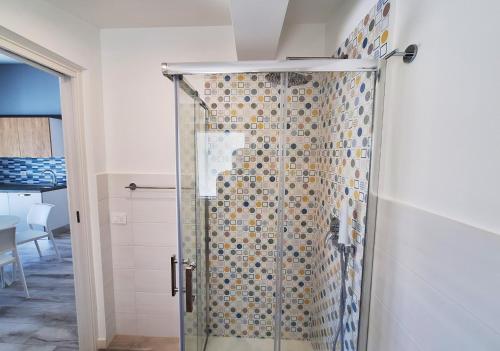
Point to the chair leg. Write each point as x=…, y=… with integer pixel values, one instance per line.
x=21, y=272
x=51, y=237
x=38, y=249
x=14, y=268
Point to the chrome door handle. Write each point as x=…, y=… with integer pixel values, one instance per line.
x=173, y=275
x=189, y=287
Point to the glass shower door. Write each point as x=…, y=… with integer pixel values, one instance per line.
x=233, y=159
x=328, y=148
x=192, y=267
x=269, y=170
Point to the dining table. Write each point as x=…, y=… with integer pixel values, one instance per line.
x=7, y=221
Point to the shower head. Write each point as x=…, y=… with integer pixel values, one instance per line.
x=294, y=78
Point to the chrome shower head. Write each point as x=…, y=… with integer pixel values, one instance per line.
x=294, y=78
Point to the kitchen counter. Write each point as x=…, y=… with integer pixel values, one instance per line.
x=12, y=187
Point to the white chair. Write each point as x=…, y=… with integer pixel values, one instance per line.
x=37, y=218
x=9, y=255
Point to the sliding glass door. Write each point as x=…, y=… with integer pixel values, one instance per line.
x=274, y=179
x=192, y=223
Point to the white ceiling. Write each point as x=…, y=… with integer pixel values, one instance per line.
x=158, y=13
x=257, y=42
x=148, y=13
x=311, y=11
x=257, y=24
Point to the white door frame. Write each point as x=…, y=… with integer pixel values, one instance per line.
x=74, y=150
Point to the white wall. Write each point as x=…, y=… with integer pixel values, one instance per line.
x=343, y=22
x=439, y=126
x=442, y=126
x=79, y=42
x=140, y=144
x=306, y=39
x=440, y=203
x=139, y=101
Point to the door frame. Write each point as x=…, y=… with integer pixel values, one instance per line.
x=74, y=151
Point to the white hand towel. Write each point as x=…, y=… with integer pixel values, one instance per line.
x=344, y=237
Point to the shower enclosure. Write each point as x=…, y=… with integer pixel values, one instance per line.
x=277, y=171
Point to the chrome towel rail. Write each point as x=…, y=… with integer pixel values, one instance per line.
x=133, y=186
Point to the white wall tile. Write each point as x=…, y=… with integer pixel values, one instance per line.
x=124, y=280
x=386, y=333
x=157, y=325
x=125, y=302
x=123, y=257
x=155, y=234
x=154, y=303
x=126, y=324
x=431, y=274
x=120, y=204
x=122, y=234
x=150, y=257
x=153, y=281
x=153, y=210
x=141, y=252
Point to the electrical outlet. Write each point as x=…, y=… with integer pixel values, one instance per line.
x=118, y=218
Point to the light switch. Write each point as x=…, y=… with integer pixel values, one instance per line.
x=118, y=218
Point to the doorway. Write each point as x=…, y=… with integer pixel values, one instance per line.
x=74, y=246
x=37, y=294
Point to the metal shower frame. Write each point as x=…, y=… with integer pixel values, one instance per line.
x=175, y=72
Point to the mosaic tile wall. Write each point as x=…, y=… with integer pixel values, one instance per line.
x=343, y=165
x=303, y=115
x=243, y=215
x=30, y=170
x=243, y=223
x=327, y=138
x=370, y=38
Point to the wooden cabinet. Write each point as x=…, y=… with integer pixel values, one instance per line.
x=34, y=137
x=9, y=138
x=25, y=137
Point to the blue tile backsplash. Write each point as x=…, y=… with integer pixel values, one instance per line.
x=30, y=170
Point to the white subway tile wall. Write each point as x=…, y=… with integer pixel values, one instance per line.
x=140, y=254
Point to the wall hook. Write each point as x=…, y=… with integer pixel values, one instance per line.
x=408, y=55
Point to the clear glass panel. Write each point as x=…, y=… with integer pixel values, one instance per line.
x=327, y=144
x=193, y=214
x=238, y=177
x=202, y=239
x=243, y=205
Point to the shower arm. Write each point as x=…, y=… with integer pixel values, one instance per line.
x=408, y=55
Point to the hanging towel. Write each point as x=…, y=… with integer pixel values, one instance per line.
x=344, y=237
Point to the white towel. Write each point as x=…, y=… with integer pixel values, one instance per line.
x=343, y=226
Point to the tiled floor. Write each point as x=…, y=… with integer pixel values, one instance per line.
x=253, y=344
x=47, y=321
x=143, y=343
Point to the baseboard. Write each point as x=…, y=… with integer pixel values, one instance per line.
x=102, y=343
